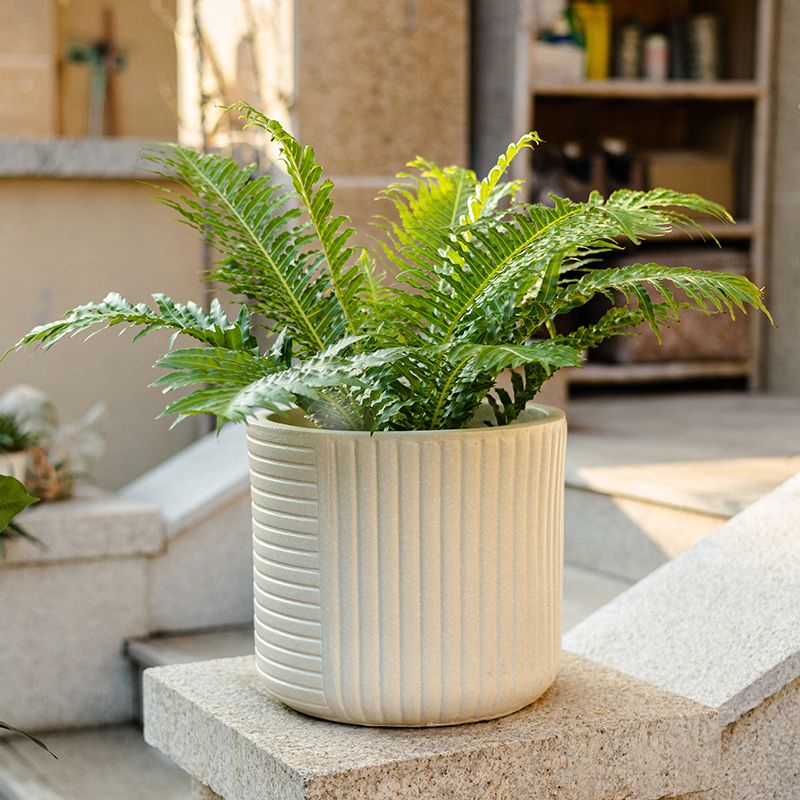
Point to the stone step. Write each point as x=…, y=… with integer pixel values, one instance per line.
x=648, y=476
x=184, y=648
x=596, y=733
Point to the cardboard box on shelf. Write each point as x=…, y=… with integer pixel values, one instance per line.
x=697, y=336
x=707, y=174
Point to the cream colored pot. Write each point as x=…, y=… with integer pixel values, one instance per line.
x=408, y=578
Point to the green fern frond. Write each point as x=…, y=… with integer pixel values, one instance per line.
x=331, y=232
x=191, y=320
x=431, y=197
x=232, y=397
x=710, y=291
x=529, y=253
x=267, y=256
x=479, y=284
x=485, y=191
x=550, y=353
x=492, y=359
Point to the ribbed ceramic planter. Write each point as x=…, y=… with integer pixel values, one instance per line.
x=408, y=578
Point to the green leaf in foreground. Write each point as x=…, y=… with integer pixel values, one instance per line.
x=13, y=499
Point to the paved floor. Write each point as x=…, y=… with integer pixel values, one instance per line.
x=715, y=452
x=726, y=423
x=99, y=764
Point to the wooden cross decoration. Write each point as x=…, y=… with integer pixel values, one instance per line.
x=104, y=60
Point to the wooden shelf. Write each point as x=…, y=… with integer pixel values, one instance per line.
x=657, y=371
x=649, y=90
x=728, y=117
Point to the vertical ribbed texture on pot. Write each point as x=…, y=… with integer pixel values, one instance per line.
x=408, y=578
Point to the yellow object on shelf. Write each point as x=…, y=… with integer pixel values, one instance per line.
x=593, y=20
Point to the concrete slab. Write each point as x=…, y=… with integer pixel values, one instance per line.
x=761, y=751
x=720, y=623
x=62, y=638
x=73, y=158
x=203, y=494
x=708, y=425
x=159, y=651
x=625, y=538
x=644, y=470
x=206, y=577
x=92, y=524
x=596, y=733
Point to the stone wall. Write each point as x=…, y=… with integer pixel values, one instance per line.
x=45, y=93
x=172, y=552
x=28, y=68
x=378, y=84
x=687, y=686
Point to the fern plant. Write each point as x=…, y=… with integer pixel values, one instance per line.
x=480, y=281
x=13, y=438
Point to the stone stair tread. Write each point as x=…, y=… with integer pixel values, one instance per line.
x=722, y=457
x=593, y=728
x=116, y=762
x=160, y=650
x=200, y=479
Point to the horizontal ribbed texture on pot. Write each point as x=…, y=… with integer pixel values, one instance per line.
x=408, y=578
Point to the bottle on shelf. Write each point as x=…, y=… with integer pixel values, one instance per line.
x=628, y=49
x=592, y=19
x=655, y=57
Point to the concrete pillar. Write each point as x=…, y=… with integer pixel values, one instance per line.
x=378, y=84
x=782, y=362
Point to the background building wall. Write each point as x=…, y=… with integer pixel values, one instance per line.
x=74, y=222
x=378, y=84
x=70, y=242
x=27, y=68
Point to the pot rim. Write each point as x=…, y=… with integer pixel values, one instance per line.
x=294, y=418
